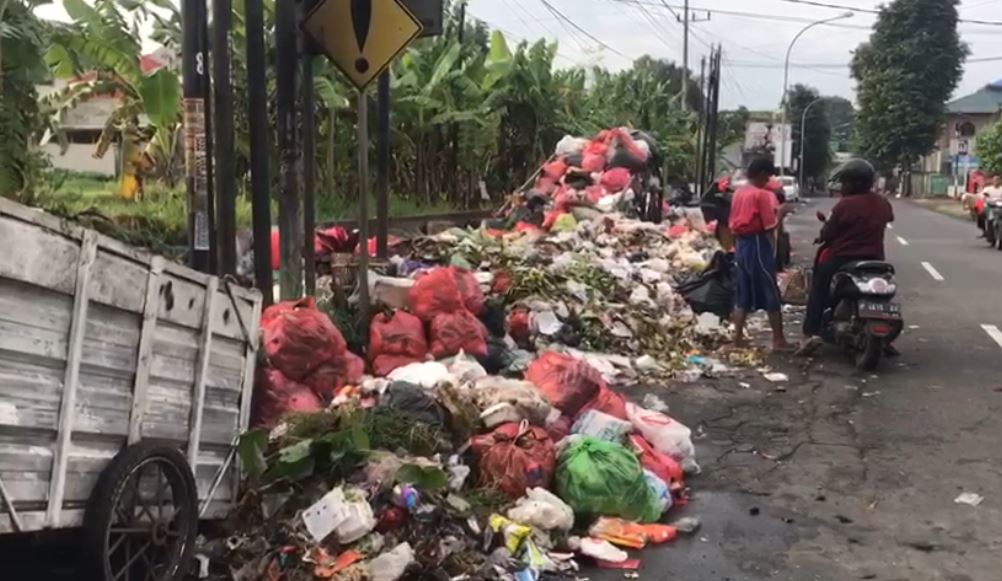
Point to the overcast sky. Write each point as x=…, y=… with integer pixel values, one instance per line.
x=754, y=46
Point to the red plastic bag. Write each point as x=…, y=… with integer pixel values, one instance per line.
x=559, y=428
x=455, y=332
x=545, y=185
x=514, y=457
x=520, y=328
x=469, y=289
x=403, y=334
x=677, y=231
x=595, y=193
x=435, y=293
x=568, y=384
x=616, y=179
x=551, y=219
x=276, y=395
x=623, y=138
x=555, y=169
x=608, y=402
x=593, y=163
x=598, y=146
x=298, y=338
x=330, y=377
x=662, y=465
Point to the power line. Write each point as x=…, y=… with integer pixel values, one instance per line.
x=583, y=31
x=737, y=13
x=650, y=19
x=876, y=11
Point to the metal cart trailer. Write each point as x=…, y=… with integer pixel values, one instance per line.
x=125, y=380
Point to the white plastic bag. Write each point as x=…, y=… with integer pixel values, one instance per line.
x=542, y=509
x=466, y=369
x=359, y=520
x=667, y=435
x=427, y=374
x=499, y=398
x=326, y=514
x=570, y=145
x=601, y=425
x=391, y=565
x=602, y=550
x=659, y=489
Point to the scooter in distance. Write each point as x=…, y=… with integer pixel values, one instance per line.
x=861, y=315
x=993, y=223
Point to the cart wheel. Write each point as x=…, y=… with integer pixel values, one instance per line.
x=142, y=517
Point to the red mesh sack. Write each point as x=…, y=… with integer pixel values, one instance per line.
x=330, y=377
x=598, y=146
x=514, y=457
x=608, y=402
x=275, y=395
x=298, y=338
x=555, y=169
x=435, y=293
x=403, y=334
x=616, y=179
x=662, y=465
x=455, y=332
x=469, y=289
x=593, y=163
x=568, y=384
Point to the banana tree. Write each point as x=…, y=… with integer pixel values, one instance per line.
x=100, y=53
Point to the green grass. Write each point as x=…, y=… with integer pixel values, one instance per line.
x=160, y=218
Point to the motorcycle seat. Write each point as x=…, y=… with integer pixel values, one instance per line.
x=869, y=266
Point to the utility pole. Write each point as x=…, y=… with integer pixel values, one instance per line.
x=686, y=20
x=685, y=58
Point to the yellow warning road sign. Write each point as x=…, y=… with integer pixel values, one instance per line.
x=362, y=37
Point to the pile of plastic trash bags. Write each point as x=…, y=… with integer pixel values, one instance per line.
x=478, y=433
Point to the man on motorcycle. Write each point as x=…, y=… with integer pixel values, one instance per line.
x=854, y=231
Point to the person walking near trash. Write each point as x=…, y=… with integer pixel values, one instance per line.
x=755, y=216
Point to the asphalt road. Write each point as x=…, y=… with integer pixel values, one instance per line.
x=838, y=475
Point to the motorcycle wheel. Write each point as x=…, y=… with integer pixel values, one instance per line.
x=868, y=355
x=990, y=235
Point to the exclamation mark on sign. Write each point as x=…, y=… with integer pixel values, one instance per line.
x=361, y=18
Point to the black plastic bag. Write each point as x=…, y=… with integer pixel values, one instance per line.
x=411, y=402
x=494, y=316
x=498, y=357
x=712, y=291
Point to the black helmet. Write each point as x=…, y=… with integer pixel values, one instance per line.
x=857, y=173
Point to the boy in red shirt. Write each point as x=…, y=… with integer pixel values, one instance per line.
x=755, y=215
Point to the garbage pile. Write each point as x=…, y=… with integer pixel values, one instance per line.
x=440, y=470
x=478, y=432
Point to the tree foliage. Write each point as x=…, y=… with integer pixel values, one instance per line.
x=841, y=116
x=816, y=131
x=22, y=40
x=906, y=72
x=989, y=148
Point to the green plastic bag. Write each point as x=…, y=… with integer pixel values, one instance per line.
x=565, y=223
x=601, y=478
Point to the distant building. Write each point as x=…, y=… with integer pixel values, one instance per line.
x=82, y=125
x=767, y=137
x=956, y=147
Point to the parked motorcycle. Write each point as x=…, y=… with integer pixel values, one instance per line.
x=993, y=223
x=861, y=315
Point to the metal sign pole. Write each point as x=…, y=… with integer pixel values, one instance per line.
x=363, y=214
x=257, y=97
x=383, y=166
x=196, y=147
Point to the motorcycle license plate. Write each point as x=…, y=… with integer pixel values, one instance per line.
x=877, y=310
